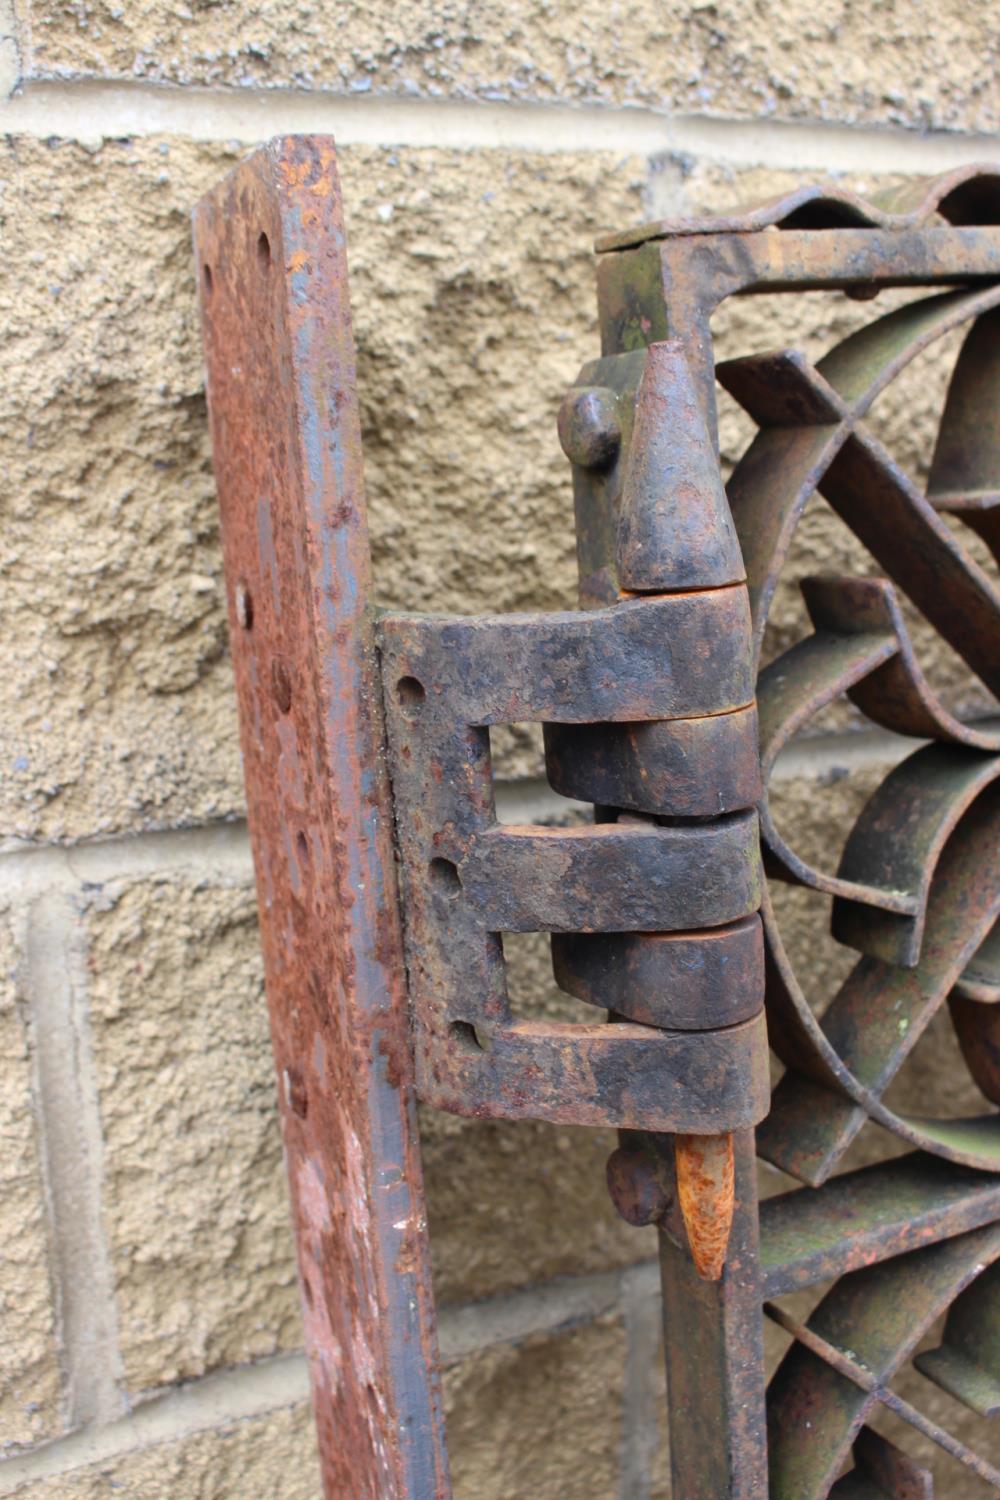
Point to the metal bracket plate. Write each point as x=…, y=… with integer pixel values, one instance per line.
x=612, y=676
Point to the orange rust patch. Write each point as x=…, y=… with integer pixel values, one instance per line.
x=706, y=1194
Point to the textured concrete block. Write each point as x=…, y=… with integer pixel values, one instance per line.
x=472, y=289
x=117, y=692
x=472, y=285
x=273, y=1454
x=29, y=1364
x=514, y=1204
x=897, y=63
x=541, y=1418
x=194, y=1193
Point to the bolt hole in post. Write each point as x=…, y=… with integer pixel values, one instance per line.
x=444, y=874
x=244, y=605
x=295, y=1093
x=411, y=694
x=263, y=251
x=206, y=276
x=281, y=684
x=467, y=1036
x=304, y=852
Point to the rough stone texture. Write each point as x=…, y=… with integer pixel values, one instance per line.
x=849, y=63
x=194, y=1192
x=118, y=693
x=472, y=285
x=512, y=1202
x=272, y=1455
x=517, y=1203
x=29, y=1367
x=539, y=1418
x=472, y=288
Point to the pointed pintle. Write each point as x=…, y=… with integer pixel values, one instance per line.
x=706, y=1193
x=675, y=530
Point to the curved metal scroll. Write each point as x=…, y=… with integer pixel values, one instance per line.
x=916, y=890
x=914, y=884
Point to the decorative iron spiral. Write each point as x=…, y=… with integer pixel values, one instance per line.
x=917, y=889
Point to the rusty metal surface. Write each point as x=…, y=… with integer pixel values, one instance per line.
x=958, y=197
x=967, y=1361
x=659, y=763
x=684, y=981
x=651, y=700
x=851, y=1369
x=467, y=879
x=916, y=881
x=706, y=1196
x=713, y=1340
x=855, y=1341
x=647, y=708
x=869, y=1215
x=882, y=1472
x=287, y=449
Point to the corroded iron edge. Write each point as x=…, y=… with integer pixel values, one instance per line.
x=287, y=451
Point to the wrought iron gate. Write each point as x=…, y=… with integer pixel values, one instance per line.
x=366, y=742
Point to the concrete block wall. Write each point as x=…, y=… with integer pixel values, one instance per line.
x=150, y=1326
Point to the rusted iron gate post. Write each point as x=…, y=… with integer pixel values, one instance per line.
x=647, y=698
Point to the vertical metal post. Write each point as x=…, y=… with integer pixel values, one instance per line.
x=287, y=447
x=718, y=1423
x=653, y=518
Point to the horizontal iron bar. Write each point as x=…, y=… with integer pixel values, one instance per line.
x=666, y=657
x=684, y=981
x=614, y=877
x=814, y=1234
x=632, y=1077
x=659, y=767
